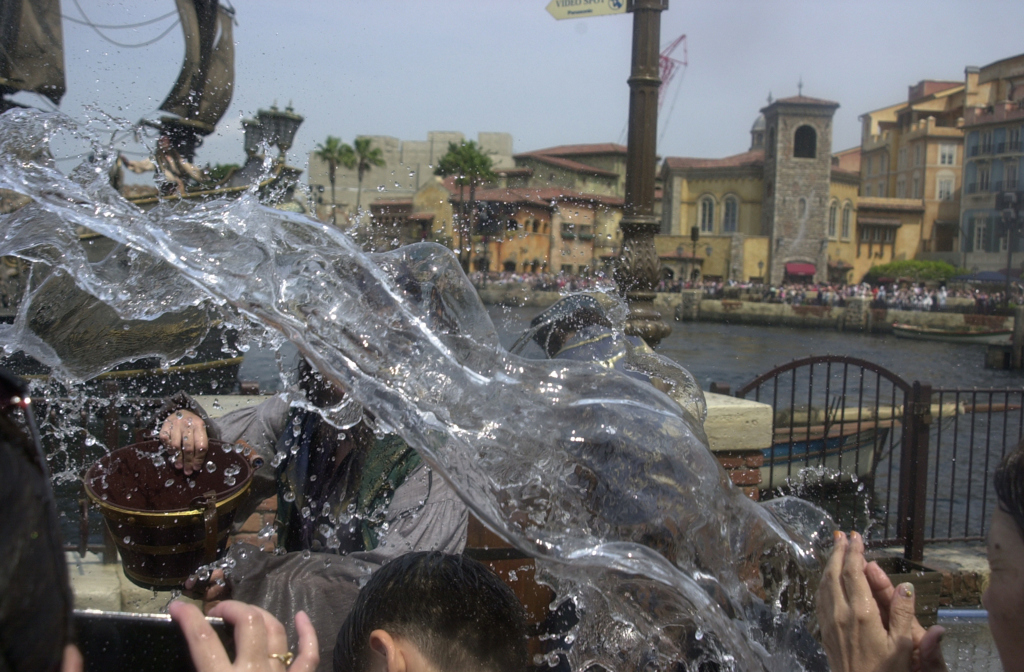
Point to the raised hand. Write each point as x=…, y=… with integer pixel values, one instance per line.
x=184, y=434
x=849, y=613
x=261, y=643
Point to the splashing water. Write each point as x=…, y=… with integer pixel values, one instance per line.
x=605, y=480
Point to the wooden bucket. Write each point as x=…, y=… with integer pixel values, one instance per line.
x=166, y=524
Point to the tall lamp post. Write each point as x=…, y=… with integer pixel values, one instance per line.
x=1013, y=220
x=638, y=269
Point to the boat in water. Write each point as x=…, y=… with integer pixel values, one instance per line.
x=982, y=335
x=800, y=458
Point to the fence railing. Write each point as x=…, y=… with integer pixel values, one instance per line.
x=971, y=432
x=906, y=464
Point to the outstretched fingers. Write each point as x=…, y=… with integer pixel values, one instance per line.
x=250, y=632
x=901, y=623
x=830, y=589
x=207, y=652
x=309, y=648
x=855, y=583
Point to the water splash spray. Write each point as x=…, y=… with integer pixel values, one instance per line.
x=605, y=480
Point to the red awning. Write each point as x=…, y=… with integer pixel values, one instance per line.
x=799, y=268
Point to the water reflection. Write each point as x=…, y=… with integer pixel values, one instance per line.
x=604, y=479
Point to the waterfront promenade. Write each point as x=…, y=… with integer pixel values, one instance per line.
x=692, y=305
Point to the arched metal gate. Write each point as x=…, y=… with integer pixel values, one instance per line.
x=852, y=436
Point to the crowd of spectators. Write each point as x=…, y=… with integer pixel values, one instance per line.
x=542, y=282
x=896, y=296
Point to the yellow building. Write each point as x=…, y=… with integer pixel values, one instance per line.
x=914, y=150
x=785, y=210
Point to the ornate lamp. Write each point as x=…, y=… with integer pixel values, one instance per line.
x=253, y=136
x=279, y=127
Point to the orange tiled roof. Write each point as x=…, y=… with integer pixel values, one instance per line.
x=593, y=148
x=566, y=163
x=752, y=158
x=544, y=196
x=386, y=202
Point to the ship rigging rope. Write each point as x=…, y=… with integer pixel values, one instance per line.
x=96, y=28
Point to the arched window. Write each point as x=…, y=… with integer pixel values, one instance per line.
x=707, y=215
x=805, y=143
x=847, y=214
x=730, y=214
x=770, y=147
x=801, y=208
x=833, y=215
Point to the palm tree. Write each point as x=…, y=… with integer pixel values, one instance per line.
x=334, y=153
x=363, y=158
x=471, y=167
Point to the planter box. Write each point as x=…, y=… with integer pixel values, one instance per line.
x=927, y=585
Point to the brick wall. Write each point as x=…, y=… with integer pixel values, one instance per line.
x=744, y=469
x=265, y=514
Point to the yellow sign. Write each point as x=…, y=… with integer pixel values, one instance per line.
x=578, y=9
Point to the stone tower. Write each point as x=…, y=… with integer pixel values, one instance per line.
x=797, y=167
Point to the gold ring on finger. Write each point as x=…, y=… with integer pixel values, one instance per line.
x=287, y=657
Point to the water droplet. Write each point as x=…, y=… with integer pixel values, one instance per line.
x=210, y=467
x=127, y=540
x=288, y=496
x=169, y=482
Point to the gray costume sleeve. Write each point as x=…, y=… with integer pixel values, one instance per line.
x=424, y=514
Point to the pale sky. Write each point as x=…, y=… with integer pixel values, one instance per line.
x=406, y=67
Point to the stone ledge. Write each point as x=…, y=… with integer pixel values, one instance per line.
x=964, y=568
x=735, y=424
x=105, y=587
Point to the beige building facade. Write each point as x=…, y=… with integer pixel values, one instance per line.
x=408, y=166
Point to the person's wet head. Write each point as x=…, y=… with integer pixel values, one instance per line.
x=320, y=392
x=433, y=611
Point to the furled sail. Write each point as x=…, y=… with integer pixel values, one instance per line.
x=32, y=48
x=203, y=91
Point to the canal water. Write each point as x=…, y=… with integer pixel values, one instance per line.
x=736, y=354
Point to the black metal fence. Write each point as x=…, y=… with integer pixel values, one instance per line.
x=906, y=464
x=971, y=432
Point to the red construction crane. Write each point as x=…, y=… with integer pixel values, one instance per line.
x=668, y=66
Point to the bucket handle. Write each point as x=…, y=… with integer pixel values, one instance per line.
x=209, y=503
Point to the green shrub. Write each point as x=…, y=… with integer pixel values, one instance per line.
x=914, y=270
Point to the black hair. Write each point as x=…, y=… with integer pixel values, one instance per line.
x=35, y=609
x=456, y=611
x=1009, y=481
